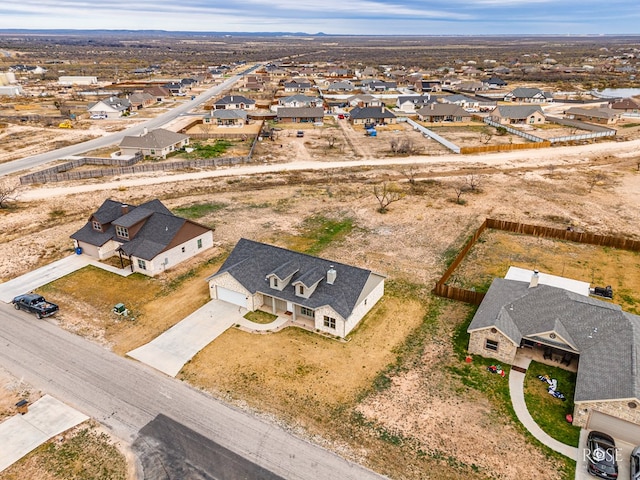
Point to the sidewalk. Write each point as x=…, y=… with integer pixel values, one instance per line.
x=21, y=434
x=516, y=389
x=53, y=271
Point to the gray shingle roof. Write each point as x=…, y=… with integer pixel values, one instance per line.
x=229, y=114
x=251, y=262
x=603, y=335
x=526, y=92
x=300, y=112
x=443, y=109
x=158, y=138
x=370, y=112
x=234, y=100
x=517, y=112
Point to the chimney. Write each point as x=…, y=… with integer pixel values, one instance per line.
x=534, y=279
x=124, y=208
x=144, y=131
x=331, y=275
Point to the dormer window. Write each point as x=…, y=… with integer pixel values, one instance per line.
x=122, y=232
x=274, y=281
x=97, y=226
x=300, y=289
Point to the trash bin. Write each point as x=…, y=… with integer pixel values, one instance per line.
x=79, y=251
x=120, y=309
x=22, y=406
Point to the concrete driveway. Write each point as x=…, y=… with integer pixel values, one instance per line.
x=170, y=351
x=624, y=452
x=46, y=418
x=53, y=271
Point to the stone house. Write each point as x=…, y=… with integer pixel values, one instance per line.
x=517, y=115
x=157, y=143
x=569, y=326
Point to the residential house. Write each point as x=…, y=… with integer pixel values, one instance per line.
x=528, y=95
x=562, y=322
x=371, y=116
x=425, y=86
x=299, y=100
x=472, y=86
x=177, y=89
x=443, y=112
x=495, y=83
x=158, y=92
x=341, y=86
x=239, y=102
x=373, y=85
x=11, y=90
x=471, y=104
x=363, y=100
x=157, y=143
x=325, y=296
x=602, y=116
x=300, y=114
x=626, y=105
x=226, y=118
x=411, y=103
x=141, y=100
x=518, y=115
x=297, y=85
x=253, y=83
x=149, y=237
x=112, y=107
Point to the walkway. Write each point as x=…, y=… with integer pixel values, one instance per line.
x=516, y=389
x=53, y=271
x=45, y=419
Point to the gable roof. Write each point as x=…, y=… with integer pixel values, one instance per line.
x=417, y=100
x=234, y=100
x=115, y=103
x=300, y=98
x=250, y=263
x=158, y=232
x=603, y=334
x=300, y=112
x=370, y=112
x=228, y=114
x=605, y=113
x=626, y=104
x=517, y=112
x=158, y=138
x=443, y=109
x=526, y=92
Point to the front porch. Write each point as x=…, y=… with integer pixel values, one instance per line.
x=548, y=355
x=298, y=315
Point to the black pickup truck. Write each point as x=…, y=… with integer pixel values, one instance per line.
x=34, y=303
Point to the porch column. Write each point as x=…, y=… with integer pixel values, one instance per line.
x=294, y=312
x=273, y=305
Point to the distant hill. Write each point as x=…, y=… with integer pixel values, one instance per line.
x=153, y=33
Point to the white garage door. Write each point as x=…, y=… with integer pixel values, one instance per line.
x=616, y=427
x=230, y=296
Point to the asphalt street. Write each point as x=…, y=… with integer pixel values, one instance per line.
x=132, y=399
x=157, y=122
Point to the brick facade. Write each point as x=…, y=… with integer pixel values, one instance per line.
x=615, y=408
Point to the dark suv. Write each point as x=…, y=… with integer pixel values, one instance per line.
x=635, y=464
x=602, y=455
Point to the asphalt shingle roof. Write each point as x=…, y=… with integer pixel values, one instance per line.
x=603, y=335
x=517, y=112
x=300, y=112
x=370, y=112
x=158, y=138
x=251, y=262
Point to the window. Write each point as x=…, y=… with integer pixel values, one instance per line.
x=199, y=243
x=329, y=322
x=183, y=249
x=122, y=232
x=491, y=345
x=306, y=311
x=142, y=264
x=300, y=289
x=97, y=226
x=274, y=281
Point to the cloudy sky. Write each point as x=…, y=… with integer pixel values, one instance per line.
x=388, y=17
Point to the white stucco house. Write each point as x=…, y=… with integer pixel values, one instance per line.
x=326, y=296
x=148, y=237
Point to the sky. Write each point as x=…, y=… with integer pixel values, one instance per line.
x=356, y=17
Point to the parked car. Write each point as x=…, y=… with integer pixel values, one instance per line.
x=601, y=460
x=300, y=133
x=635, y=464
x=34, y=303
x=341, y=116
x=97, y=116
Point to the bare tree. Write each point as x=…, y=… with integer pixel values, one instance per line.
x=486, y=136
x=410, y=174
x=386, y=194
x=473, y=182
x=398, y=145
x=331, y=141
x=460, y=189
x=8, y=193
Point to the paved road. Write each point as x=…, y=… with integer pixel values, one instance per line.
x=35, y=160
x=129, y=397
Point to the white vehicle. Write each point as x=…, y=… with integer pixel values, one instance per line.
x=98, y=116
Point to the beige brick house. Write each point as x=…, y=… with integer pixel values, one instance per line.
x=327, y=296
x=570, y=327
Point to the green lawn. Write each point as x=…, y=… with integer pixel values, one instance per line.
x=259, y=316
x=198, y=210
x=547, y=411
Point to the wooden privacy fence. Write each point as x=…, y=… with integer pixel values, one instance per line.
x=470, y=296
x=60, y=173
x=503, y=148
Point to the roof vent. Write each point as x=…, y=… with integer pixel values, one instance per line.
x=331, y=275
x=124, y=208
x=534, y=279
